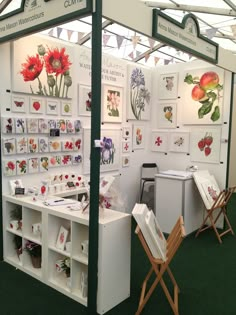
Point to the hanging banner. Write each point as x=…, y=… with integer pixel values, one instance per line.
x=35, y=15
x=185, y=36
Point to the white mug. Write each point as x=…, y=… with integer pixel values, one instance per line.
x=68, y=247
x=37, y=228
x=14, y=224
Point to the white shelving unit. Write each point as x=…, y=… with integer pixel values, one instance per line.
x=113, y=257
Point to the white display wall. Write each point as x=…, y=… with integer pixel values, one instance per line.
x=134, y=141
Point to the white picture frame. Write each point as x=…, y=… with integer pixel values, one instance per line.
x=139, y=135
x=126, y=132
x=52, y=107
x=112, y=107
x=66, y=108
x=166, y=115
x=126, y=146
x=179, y=142
x=36, y=105
x=19, y=103
x=159, y=141
x=125, y=160
x=168, y=86
x=84, y=99
x=61, y=238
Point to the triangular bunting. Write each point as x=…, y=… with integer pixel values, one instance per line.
x=210, y=33
x=151, y=42
x=51, y=32
x=233, y=28
x=138, y=53
x=131, y=55
x=105, y=38
x=156, y=59
x=59, y=30
x=147, y=56
x=119, y=40
x=166, y=62
x=69, y=33
x=135, y=40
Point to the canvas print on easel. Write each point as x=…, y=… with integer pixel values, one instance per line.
x=138, y=137
x=179, y=142
x=112, y=103
x=202, y=99
x=205, y=145
x=159, y=141
x=84, y=99
x=109, y=151
x=168, y=86
x=166, y=115
x=139, y=93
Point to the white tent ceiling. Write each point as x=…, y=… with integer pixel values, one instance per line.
x=217, y=21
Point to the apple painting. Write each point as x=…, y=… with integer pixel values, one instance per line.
x=206, y=92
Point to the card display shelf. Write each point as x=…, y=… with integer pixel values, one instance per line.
x=113, y=266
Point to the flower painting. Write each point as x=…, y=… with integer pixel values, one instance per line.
x=43, y=144
x=9, y=167
x=21, y=145
x=32, y=145
x=138, y=137
x=112, y=103
x=33, y=165
x=66, y=160
x=139, y=94
x=54, y=161
x=8, y=125
x=61, y=124
x=85, y=100
x=21, y=167
x=166, y=115
x=70, y=128
x=43, y=125
x=76, y=159
x=43, y=164
x=20, y=125
x=32, y=125
x=168, y=86
x=203, y=96
x=126, y=146
x=159, y=141
x=77, y=144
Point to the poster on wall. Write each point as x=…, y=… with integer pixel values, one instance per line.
x=166, y=115
x=159, y=141
x=202, y=99
x=179, y=142
x=42, y=67
x=168, y=86
x=112, y=103
x=139, y=93
x=19, y=103
x=84, y=99
x=139, y=133
x=205, y=145
x=109, y=151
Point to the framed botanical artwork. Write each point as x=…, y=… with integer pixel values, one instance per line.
x=9, y=146
x=205, y=145
x=77, y=126
x=36, y=105
x=21, y=166
x=66, y=108
x=66, y=160
x=8, y=125
x=43, y=164
x=54, y=161
x=138, y=136
x=32, y=125
x=33, y=146
x=33, y=164
x=43, y=144
x=9, y=167
x=166, y=115
x=139, y=93
x=179, y=142
x=61, y=238
x=76, y=159
x=126, y=132
x=19, y=103
x=126, y=146
x=52, y=107
x=43, y=125
x=112, y=103
x=54, y=146
x=61, y=124
x=85, y=99
x=159, y=141
x=77, y=143
x=202, y=101
x=168, y=86
x=21, y=145
x=125, y=160
x=70, y=126
x=67, y=145
x=20, y=125
x=109, y=151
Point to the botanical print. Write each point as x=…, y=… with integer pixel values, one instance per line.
x=125, y=161
x=33, y=164
x=52, y=123
x=138, y=137
x=32, y=144
x=179, y=142
x=159, y=141
x=211, y=191
x=21, y=145
x=9, y=146
x=54, y=146
x=8, y=125
x=54, y=161
x=77, y=144
x=126, y=132
x=18, y=104
x=66, y=108
x=32, y=125
x=112, y=103
x=21, y=167
x=203, y=96
x=20, y=125
x=168, y=86
x=61, y=124
x=43, y=164
x=43, y=125
x=43, y=144
x=126, y=146
x=109, y=151
x=77, y=125
x=67, y=145
x=36, y=105
x=166, y=115
x=76, y=159
x=52, y=107
x=70, y=128
x=45, y=69
x=139, y=96
x=66, y=160
x=205, y=145
x=85, y=101
x=9, y=167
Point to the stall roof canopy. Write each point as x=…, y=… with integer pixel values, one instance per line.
x=217, y=21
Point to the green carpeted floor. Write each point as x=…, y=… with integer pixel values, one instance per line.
x=204, y=270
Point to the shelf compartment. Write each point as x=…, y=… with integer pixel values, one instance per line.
x=79, y=281
x=31, y=217
x=54, y=225
x=28, y=265
x=80, y=235
x=10, y=250
x=13, y=217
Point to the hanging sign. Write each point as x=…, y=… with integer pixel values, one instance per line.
x=35, y=15
x=185, y=36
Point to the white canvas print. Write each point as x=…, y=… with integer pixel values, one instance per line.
x=159, y=141
x=179, y=142
x=21, y=145
x=20, y=125
x=19, y=103
x=85, y=99
x=168, y=86
x=9, y=146
x=52, y=107
x=139, y=134
x=36, y=105
x=166, y=115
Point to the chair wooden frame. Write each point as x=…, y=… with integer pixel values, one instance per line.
x=158, y=266
x=220, y=204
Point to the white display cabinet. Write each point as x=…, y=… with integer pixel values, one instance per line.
x=113, y=265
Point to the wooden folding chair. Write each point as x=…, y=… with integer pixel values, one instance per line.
x=158, y=266
x=220, y=204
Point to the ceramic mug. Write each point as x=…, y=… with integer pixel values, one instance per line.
x=84, y=247
x=37, y=228
x=14, y=224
